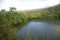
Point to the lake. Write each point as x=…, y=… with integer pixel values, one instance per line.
x=36, y=30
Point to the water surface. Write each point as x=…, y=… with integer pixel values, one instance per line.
x=39, y=31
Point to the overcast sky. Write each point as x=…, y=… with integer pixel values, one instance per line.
x=27, y=4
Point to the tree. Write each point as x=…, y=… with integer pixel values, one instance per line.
x=12, y=9
x=3, y=10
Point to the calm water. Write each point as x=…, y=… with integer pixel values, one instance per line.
x=39, y=31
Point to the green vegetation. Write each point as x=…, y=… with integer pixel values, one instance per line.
x=10, y=19
x=47, y=13
x=8, y=22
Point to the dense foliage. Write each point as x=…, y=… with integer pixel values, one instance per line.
x=8, y=22
x=47, y=13
x=10, y=19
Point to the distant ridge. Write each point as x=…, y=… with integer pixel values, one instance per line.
x=56, y=7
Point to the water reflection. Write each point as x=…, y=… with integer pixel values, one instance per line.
x=39, y=31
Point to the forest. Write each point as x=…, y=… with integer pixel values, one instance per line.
x=10, y=19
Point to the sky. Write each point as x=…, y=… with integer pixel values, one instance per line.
x=27, y=4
